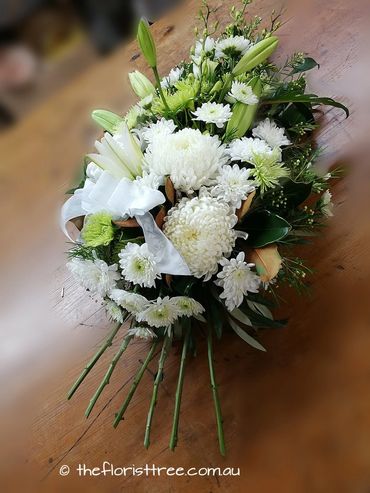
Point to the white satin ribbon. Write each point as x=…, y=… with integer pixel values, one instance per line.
x=125, y=198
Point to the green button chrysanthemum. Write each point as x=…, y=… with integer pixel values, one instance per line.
x=98, y=230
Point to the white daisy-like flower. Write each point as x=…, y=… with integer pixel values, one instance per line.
x=95, y=275
x=138, y=265
x=233, y=185
x=161, y=312
x=188, y=306
x=234, y=45
x=237, y=279
x=245, y=148
x=201, y=229
x=114, y=312
x=271, y=133
x=213, y=113
x=204, y=47
x=326, y=204
x=173, y=77
x=242, y=93
x=141, y=332
x=161, y=127
x=190, y=158
x=132, y=302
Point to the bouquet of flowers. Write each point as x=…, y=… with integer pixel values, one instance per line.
x=192, y=201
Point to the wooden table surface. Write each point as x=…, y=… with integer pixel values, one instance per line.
x=297, y=419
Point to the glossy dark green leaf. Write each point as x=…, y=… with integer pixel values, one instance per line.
x=295, y=114
x=307, y=64
x=296, y=192
x=264, y=227
x=306, y=98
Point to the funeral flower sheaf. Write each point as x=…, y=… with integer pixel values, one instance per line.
x=194, y=199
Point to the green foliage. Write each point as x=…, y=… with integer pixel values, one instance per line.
x=264, y=228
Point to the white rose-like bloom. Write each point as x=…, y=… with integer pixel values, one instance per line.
x=242, y=92
x=201, y=229
x=245, y=148
x=113, y=311
x=236, y=279
x=171, y=79
x=233, y=185
x=161, y=312
x=141, y=332
x=271, y=133
x=231, y=46
x=213, y=113
x=138, y=265
x=132, y=302
x=187, y=306
x=190, y=158
x=161, y=127
x=326, y=204
x=95, y=275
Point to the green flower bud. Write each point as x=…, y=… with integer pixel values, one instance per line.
x=256, y=55
x=107, y=120
x=140, y=84
x=146, y=43
x=243, y=114
x=98, y=230
x=208, y=68
x=217, y=87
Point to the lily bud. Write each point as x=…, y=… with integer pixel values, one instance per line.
x=256, y=55
x=140, y=84
x=107, y=120
x=217, y=87
x=208, y=68
x=146, y=43
x=243, y=114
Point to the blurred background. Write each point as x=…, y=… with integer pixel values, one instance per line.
x=44, y=44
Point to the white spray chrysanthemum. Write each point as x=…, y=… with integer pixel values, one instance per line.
x=190, y=158
x=161, y=127
x=233, y=185
x=173, y=77
x=95, y=275
x=237, y=279
x=138, y=265
x=241, y=92
x=114, y=312
x=141, y=332
x=201, y=229
x=216, y=113
x=234, y=45
x=161, y=312
x=326, y=204
x=271, y=133
x=245, y=148
x=188, y=306
x=204, y=47
x=132, y=302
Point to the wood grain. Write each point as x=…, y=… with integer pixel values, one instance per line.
x=297, y=419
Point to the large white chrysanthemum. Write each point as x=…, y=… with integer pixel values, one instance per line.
x=188, y=306
x=236, y=279
x=242, y=92
x=161, y=312
x=173, y=77
x=138, y=265
x=271, y=133
x=233, y=185
x=132, y=302
x=245, y=148
x=201, y=231
x=235, y=45
x=216, y=113
x=190, y=158
x=95, y=275
x=161, y=127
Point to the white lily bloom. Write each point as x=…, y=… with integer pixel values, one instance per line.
x=271, y=133
x=95, y=275
x=241, y=92
x=237, y=279
x=213, y=113
x=138, y=265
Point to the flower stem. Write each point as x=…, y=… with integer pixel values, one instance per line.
x=159, y=87
x=226, y=87
x=94, y=359
x=158, y=379
x=105, y=381
x=180, y=383
x=134, y=386
x=216, y=399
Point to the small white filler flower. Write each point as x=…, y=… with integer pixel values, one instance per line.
x=95, y=275
x=161, y=312
x=132, y=302
x=271, y=133
x=242, y=93
x=236, y=279
x=138, y=265
x=216, y=113
x=233, y=185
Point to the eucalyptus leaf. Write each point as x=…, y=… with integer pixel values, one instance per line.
x=241, y=317
x=245, y=336
x=261, y=309
x=264, y=227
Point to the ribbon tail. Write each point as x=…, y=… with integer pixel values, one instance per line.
x=71, y=209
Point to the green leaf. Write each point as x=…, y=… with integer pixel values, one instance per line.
x=264, y=227
x=245, y=336
x=307, y=64
x=296, y=192
x=241, y=317
x=260, y=309
x=306, y=98
x=296, y=113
